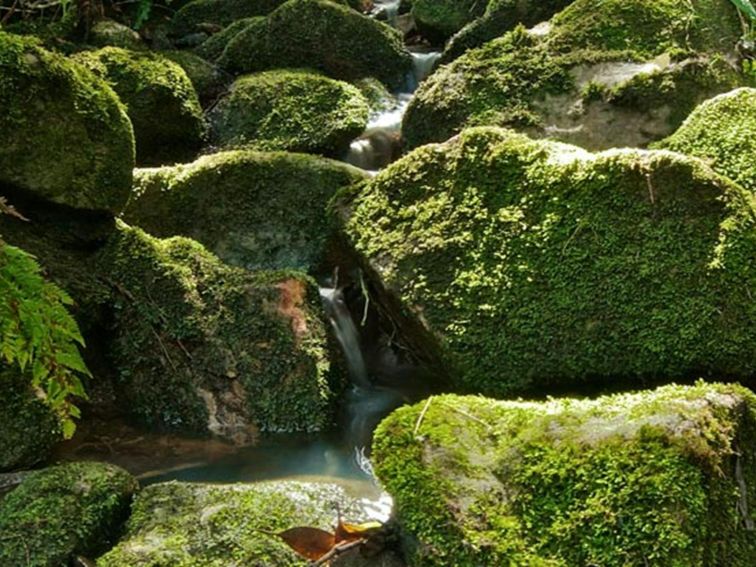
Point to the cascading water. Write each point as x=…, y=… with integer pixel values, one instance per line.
x=346, y=333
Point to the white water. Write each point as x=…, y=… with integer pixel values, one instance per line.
x=346, y=333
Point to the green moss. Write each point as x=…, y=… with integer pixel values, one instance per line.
x=111, y=33
x=293, y=110
x=722, y=131
x=202, y=347
x=190, y=17
x=73, y=144
x=534, y=82
x=442, y=18
x=320, y=35
x=378, y=96
x=208, y=526
x=630, y=479
x=520, y=263
x=29, y=429
x=161, y=101
x=208, y=80
x=258, y=210
x=212, y=48
x=69, y=509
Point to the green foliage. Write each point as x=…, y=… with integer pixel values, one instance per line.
x=196, y=525
x=291, y=110
x=275, y=204
x=38, y=335
x=631, y=479
x=75, y=508
x=519, y=264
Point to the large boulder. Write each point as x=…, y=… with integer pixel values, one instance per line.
x=620, y=73
x=295, y=111
x=208, y=79
x=114, y=34
x=162, y=103
x=211, y=526
x=512, y=264
x=214, y=46
x=440, y=19
x=205, y=348
x=198, y=15
x=254, y=210
x=322, y=35
x=30, y=428
x=722, y=131
x=64, y=135
x=666, y=477
x=500, y=17
x=55, y=513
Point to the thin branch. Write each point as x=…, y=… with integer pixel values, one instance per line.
x=422, y=416
x=337, y=550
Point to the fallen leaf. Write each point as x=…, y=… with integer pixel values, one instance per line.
x=352, y=532
x=310, y=543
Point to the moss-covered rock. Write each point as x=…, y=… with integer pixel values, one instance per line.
x=722, y=131
x=210, y=525
x=291, y=110
x=513, y=264
x=202, y=347
x=64, y=136
x=161, y=101
x=197, y=14
x=439, y=19
x=258, y=210
x=29, y=429
x=614, y=74
x=111, y=33
x=322, y=35
x=208, y=80
x=77, y=508
x=500, y=17
x=212, y=48
x=664, y=477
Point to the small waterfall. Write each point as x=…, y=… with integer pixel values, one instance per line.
x=423, y=63
x=346, y=334
x=380, y=144
x=388, y=9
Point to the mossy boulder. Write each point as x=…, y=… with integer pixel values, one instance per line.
x=208, y=79
x=322, y=35
x=513, y=264
x=199, y=14
x=722, y=131
x=55, y=513
x=205, y=348
x=111, y=33
x=663, y=477
x=439, y=19
x=620, y=73
x=291, y=110
x=258, y=210
x=161, y=101
x=64, y=135
x=208, y=525
x=29, y=430
x=214, y=46
x=500, y=17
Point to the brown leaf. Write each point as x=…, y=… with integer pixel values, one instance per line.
x=310, y=543
x=352, y=532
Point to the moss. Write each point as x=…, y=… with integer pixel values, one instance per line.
x=208, y=80
x=111, y=33
x=162, y=103
x=202, y=347
x=378, y=96
x=442, y=18
x=324, y=36
x=660, y=477
x=500, y=17
x=208, y=526
x=29, y=429
x=74, y=145
x=190, y=17
x=522, y=264
x=523, y=80
x=259, y=210
x=69, y=509
x=212, y=48
x=722, y=131
x=292, y=110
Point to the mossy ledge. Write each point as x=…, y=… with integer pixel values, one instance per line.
x=513, y=264
x=664, y=477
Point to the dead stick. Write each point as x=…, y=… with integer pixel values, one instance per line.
x=337, y=550
x=421, y=416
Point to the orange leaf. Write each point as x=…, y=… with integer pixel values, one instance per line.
x=350, y=532
x=310, y=543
